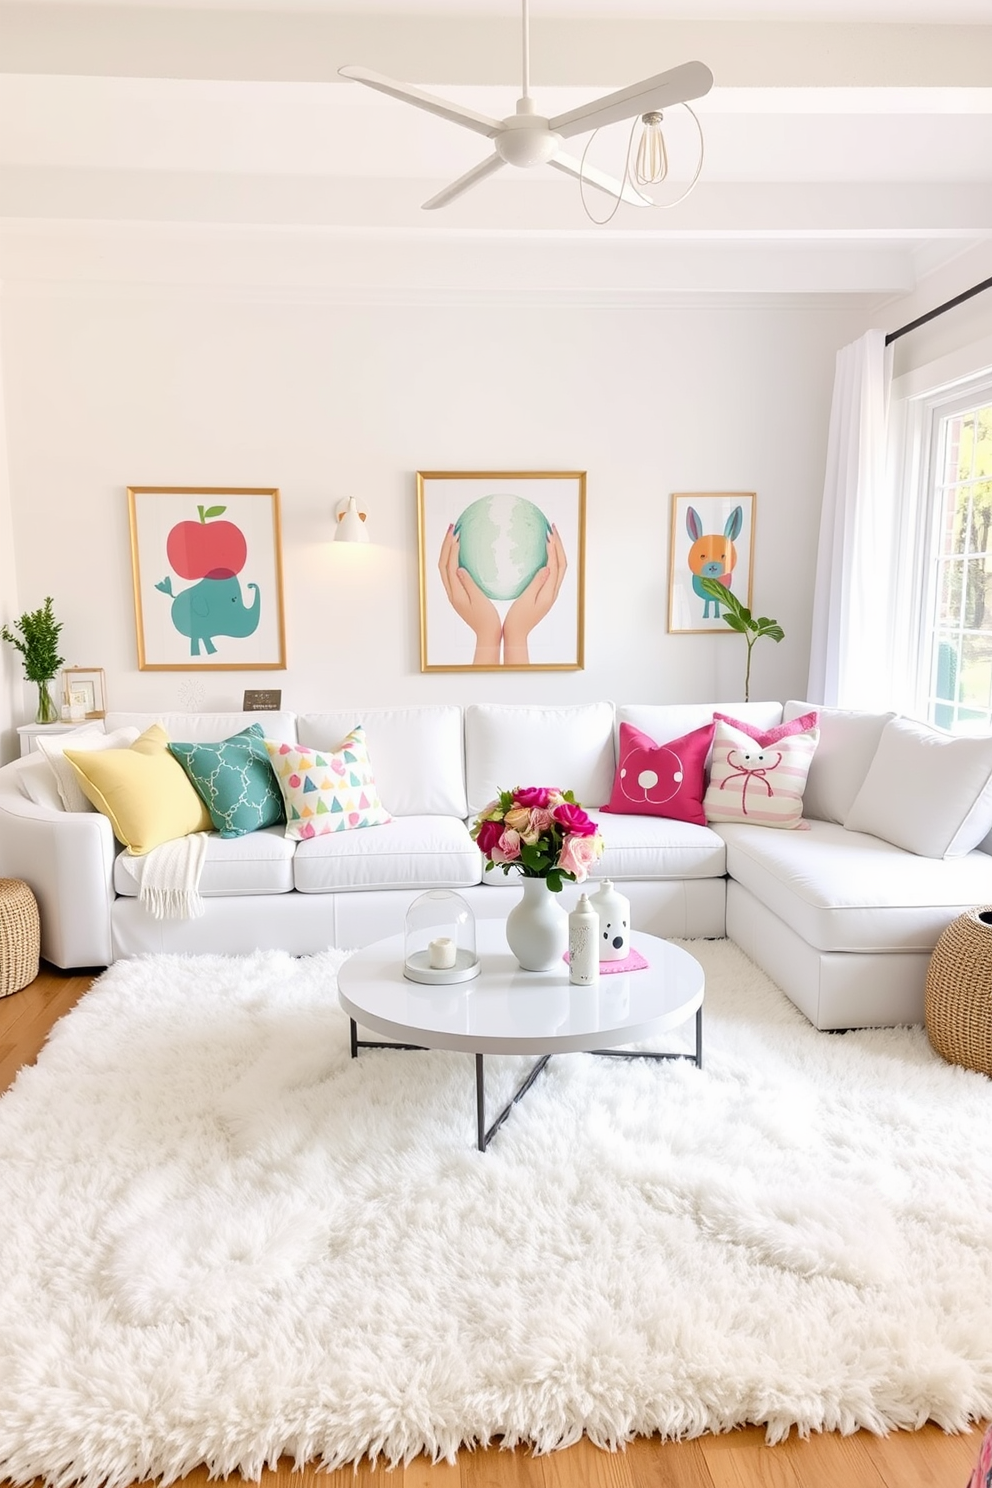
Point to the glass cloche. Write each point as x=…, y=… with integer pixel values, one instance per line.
x=440, y=939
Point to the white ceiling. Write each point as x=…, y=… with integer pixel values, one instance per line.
x=848, y=142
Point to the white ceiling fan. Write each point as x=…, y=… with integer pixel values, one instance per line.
x=527, y=138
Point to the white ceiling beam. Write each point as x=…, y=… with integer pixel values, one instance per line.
x=731, y=211
x=109, y=258
x=481, y=49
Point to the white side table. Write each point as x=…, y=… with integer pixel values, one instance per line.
x=28, y=732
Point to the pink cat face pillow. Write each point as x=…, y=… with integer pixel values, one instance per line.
x=661, y=779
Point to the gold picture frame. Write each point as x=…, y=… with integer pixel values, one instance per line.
x=484, y=607
x=196, y=551
x=85, y=687
x=712, y=536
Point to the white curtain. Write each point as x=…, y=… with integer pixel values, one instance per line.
x=851, y=644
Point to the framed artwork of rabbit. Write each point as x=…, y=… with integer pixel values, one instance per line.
x=712, y=537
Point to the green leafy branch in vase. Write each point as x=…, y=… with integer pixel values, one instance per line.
x=38, y=642
x=739, y=618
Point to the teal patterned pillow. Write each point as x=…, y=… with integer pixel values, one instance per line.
x=235, y=780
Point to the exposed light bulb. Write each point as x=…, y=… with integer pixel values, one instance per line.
x=651, y=161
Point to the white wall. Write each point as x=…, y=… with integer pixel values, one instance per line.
x=10, y=669
x=189, y=385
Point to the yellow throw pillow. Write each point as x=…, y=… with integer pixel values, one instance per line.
x=143, y=790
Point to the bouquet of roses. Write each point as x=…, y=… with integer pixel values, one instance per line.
x=541, y=832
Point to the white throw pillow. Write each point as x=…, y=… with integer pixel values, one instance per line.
x=65, y=778
x=848, y=741
x=38, y=783
x=925, y=791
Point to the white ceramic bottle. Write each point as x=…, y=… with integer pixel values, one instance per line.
x=613, y=910
x=583, y=944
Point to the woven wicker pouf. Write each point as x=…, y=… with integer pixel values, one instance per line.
x=959, y=992
x=20, y=936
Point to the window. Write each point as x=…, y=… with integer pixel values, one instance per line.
x=954, y=657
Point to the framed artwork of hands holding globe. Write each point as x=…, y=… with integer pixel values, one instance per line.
x=502, y=565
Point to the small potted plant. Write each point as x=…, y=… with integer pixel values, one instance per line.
x=38, y=644
x=739, y=618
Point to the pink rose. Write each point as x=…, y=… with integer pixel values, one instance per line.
x=578, y=854
x=574, y=820
x=540, y=821
x=488, y=836
x=507, y=850
x=532, y=795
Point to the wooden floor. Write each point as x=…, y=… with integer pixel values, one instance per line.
x=919, y=1459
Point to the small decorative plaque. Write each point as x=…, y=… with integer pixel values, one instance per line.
x=262, y=700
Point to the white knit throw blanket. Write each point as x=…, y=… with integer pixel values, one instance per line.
x=169, y=878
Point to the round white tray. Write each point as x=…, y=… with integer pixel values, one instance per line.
x=418, y=968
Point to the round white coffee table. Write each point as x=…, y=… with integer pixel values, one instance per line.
x=509, y=1011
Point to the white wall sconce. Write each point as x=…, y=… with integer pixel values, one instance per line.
x=351, y=526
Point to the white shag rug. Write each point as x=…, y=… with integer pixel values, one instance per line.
x=222, y=1240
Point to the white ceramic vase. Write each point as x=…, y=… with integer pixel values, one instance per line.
x=537, y=927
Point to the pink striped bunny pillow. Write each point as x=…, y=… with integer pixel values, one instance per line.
x=758, y=783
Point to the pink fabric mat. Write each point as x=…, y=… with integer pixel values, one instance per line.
x=634, y=962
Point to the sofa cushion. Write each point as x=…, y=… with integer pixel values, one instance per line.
x=52, y=752
x=409, y=852
x=235, y=781
x=256, y=863
x=650, y=849
x=667, y=779
x=668, y=720
x=418, y=753
x=206, y=726
x=327, y=792
x=144, y=792
x=567, y=746
x=846, y=748
x=752, y=782
x=926, y=791
x=849, y=891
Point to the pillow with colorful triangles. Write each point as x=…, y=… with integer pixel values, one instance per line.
x=327, y=790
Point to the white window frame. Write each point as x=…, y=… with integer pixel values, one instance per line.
x=915, y=429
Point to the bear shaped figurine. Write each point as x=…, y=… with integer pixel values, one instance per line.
x=613, y=910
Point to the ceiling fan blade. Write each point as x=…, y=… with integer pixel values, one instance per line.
x=688, y=80
x=465, y=183
x=468, y=118
x=603, y=182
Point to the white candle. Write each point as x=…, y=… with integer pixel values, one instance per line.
x=442, y=953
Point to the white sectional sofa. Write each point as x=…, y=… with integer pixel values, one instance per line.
x=844, y=921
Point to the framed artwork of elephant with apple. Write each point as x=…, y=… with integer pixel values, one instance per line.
x=207, y=565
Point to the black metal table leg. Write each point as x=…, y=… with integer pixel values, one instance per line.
x=695, y=1058
x=480, y=1100
x=485, y=1137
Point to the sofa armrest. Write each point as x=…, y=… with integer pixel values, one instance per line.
x=67, y=860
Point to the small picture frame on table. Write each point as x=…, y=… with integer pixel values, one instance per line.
x=84, y=693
